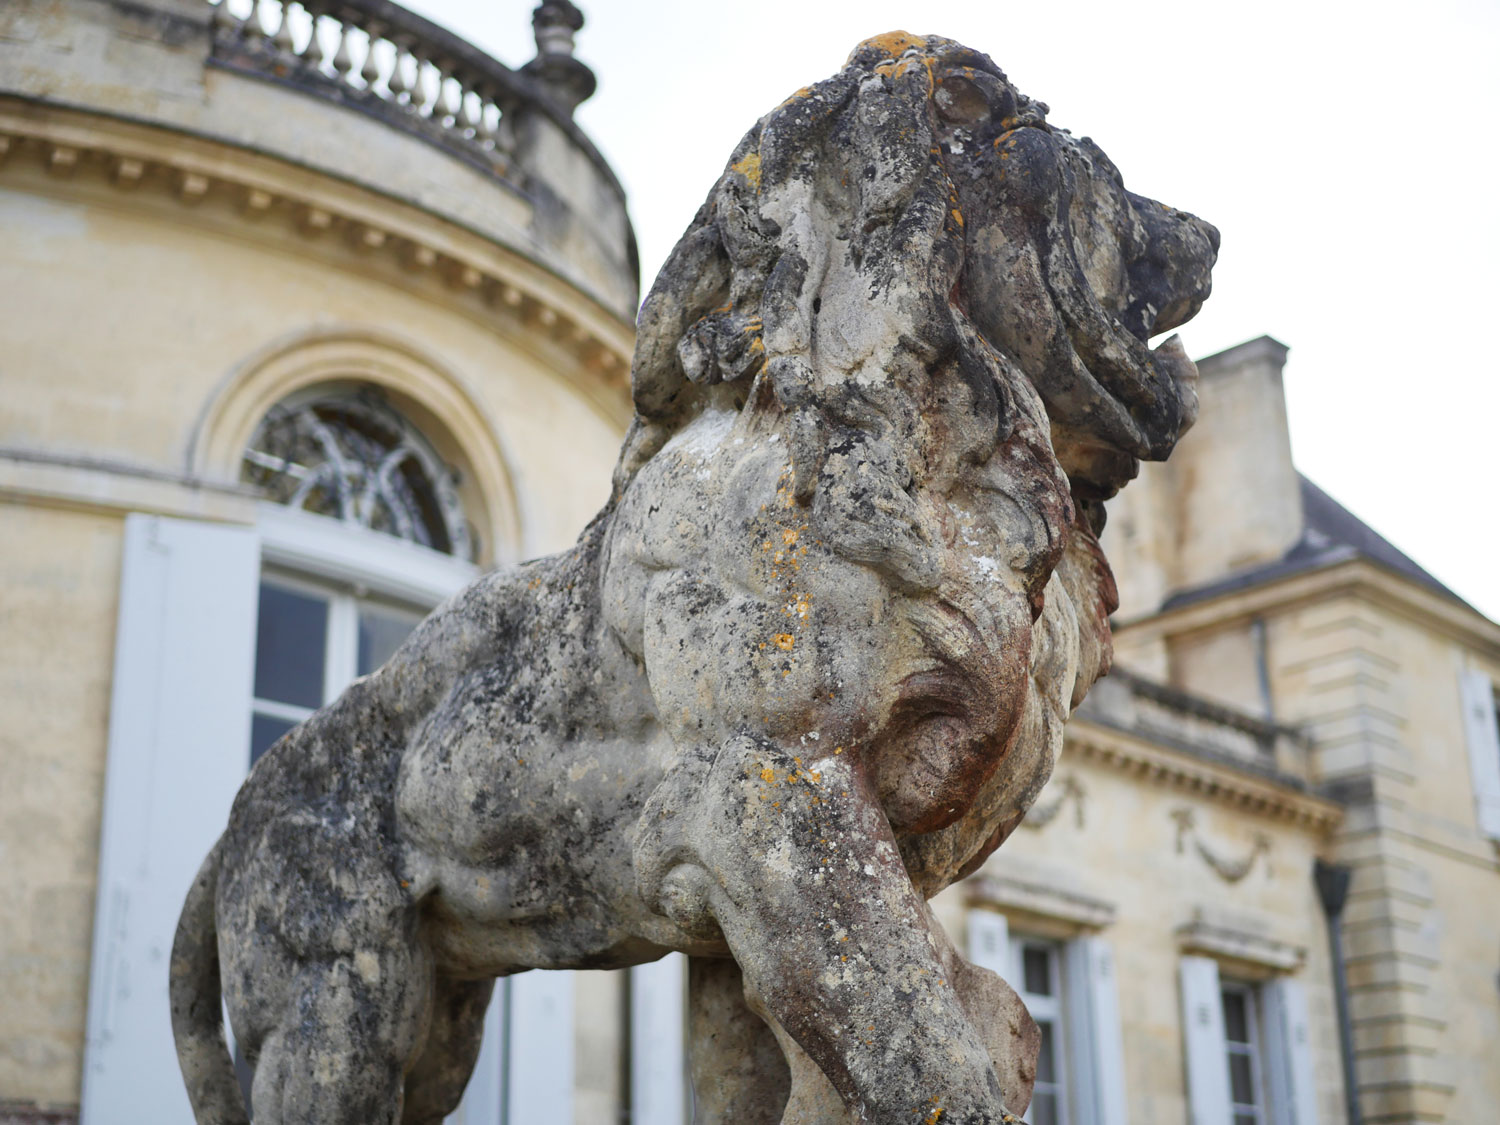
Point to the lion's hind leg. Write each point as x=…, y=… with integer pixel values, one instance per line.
x=325, y=977
x=344, y=1041
x=436, y=1083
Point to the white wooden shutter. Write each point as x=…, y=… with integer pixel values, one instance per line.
x=1092, y=1025
x=989, y=943
x=539, y=1074
x=1478, y=694
x=179, y=736
x=1289, y=1069
x=658, y=1071
x=1203, y=1042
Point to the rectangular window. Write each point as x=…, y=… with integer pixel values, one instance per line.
x=1039, y=969
x=311, y=642
x=1249, y=1054
x=1482, y=733
x=1242, y=1039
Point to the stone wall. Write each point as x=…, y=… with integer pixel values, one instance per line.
x=1114, y=858
x=1367, y=664
x=134, y=324
x=59, y=569
x=154, y=61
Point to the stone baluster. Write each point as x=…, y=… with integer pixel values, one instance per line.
x=311, y=50
x=225, y=22
x=370, y=72
x=343, y=57
x=281, y=38
x=416, y=93
x=497, y=130
x=448, y=99
x=397, y=84
x=473, y=114
x=253, y=29
x=431, y=85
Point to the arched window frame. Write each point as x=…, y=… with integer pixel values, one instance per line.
x=436, y=399
x=409, y=486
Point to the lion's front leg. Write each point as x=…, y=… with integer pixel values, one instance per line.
x=794, y=861
x=739, y=1073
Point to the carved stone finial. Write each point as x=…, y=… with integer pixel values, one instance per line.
x=554, y=24
x=570, y=82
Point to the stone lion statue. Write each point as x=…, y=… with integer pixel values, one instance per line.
x=809, y=666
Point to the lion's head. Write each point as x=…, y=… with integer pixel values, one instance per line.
x=906, y=336
x=865, y=225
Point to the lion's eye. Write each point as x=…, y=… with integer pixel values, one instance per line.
x=961, y=101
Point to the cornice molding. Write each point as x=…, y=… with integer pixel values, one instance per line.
x=1011, y=895
x=521, y=299
x=1215, y=780
x=1356, y=577
x=105, y=486
x=1262, y=954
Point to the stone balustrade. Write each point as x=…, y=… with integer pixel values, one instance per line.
x=376, y=56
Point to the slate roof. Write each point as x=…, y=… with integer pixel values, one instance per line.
x=1331, y=533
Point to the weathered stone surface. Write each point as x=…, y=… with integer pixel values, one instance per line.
x=809, y=666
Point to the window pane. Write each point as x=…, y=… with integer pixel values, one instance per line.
x=1241, y=1080
x=289, y=646
x=1043, y=1108
x=381, y=632
x=264, y=731
x=1036, y=970
x=1236, y=1018
x=1046, y=1059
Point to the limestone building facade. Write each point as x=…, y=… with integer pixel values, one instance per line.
x=312, y=311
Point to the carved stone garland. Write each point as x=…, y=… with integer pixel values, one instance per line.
x=1230, y=870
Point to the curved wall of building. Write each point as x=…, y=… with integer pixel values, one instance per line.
x=190, y=235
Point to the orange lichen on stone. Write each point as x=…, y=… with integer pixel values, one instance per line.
x=749, y=167
x=784, y=641
x=892, y=42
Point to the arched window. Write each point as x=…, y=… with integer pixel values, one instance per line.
x=352, y=456
x=343, y=452
x=384, y=489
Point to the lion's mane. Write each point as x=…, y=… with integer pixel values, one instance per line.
x=822, y=278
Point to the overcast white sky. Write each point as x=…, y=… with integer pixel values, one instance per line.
x=1349, y=153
